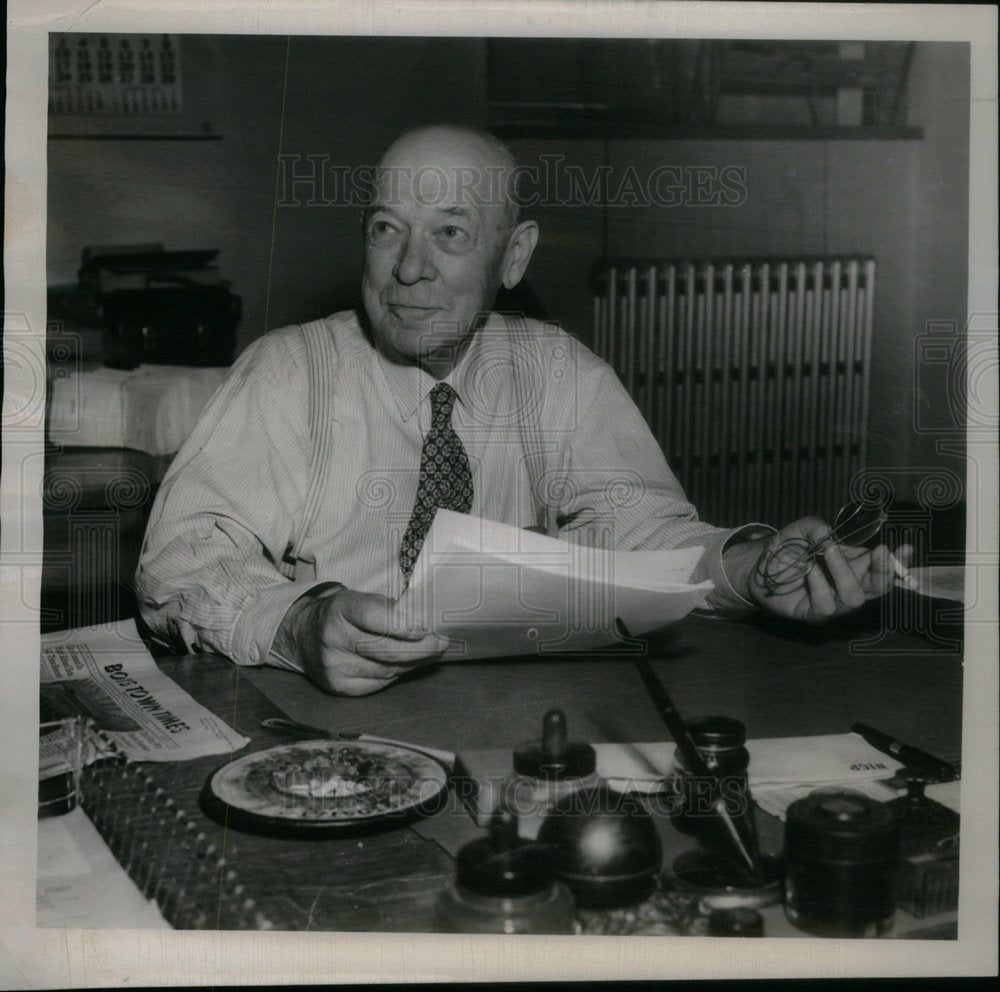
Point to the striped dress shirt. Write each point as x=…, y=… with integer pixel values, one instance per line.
x=288, y=481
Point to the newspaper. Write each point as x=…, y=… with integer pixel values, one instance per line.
x=106, y=675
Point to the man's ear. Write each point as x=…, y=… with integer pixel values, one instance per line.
x=520, y=245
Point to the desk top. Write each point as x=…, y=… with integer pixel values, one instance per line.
x=780, y=680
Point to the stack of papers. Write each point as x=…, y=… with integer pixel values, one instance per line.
x=791, y=768
x=496, y=590
x=153, y=408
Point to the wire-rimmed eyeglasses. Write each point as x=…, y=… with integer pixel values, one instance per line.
x=786, y=565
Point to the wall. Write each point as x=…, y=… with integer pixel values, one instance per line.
x=293, y=254
x=903, y=201
x=345, y=105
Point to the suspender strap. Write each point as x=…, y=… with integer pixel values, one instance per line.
x=528, y=397
x=321, y=361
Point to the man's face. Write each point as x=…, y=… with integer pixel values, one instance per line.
x=434, y=248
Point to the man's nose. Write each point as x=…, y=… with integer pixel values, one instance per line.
x=414, y=262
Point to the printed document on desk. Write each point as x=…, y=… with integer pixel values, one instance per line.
x=106, y=674
x=495, y=590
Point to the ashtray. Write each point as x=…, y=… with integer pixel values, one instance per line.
x=720, y=884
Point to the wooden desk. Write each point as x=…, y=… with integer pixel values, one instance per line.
x=779, y=680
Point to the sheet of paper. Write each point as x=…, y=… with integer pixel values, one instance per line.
x=80, y=884
x=107, y=674
x=947, y=794
x=778, y=761
x=824, y=758
x=496, y=590
x=782, y=769
x=940, y=581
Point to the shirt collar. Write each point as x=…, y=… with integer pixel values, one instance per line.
x=409, y=384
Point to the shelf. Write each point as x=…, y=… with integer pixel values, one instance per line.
x=134, y=137
x=690, y=132
x=656, y=88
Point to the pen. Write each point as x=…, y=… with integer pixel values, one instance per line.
x=942, y=770
x=745, y=840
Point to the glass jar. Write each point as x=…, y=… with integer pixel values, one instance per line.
x=720, y=741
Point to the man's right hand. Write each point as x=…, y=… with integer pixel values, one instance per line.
x=353, y=643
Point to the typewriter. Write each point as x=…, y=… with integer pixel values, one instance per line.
x=161, y=307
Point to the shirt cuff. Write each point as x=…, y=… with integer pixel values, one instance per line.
x=258, y=623
x=724, y=599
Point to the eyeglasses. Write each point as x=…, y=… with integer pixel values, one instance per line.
x=787, y=564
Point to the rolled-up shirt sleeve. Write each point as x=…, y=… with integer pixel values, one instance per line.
x=209, y=576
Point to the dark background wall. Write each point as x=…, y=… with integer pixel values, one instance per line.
x=293, y=254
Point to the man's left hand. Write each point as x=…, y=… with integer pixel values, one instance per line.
x=841, y=579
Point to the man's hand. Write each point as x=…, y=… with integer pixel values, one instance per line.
x=352, y=643
x=842, y=578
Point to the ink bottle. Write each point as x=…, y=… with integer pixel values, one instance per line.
x=842, y=855
x=721, y=742
x=547, y=770
x=505, y=884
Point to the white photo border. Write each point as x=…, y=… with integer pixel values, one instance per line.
x=67, y=959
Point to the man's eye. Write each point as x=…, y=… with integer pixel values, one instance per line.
x=452, y=234
x=381, y=231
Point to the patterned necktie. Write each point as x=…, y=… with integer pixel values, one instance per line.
x=445, y=477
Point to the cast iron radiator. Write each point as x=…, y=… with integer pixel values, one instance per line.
x=752, y=374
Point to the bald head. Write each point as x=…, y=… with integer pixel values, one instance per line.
x=444, y=159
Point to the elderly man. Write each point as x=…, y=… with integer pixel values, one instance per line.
x=290, y=520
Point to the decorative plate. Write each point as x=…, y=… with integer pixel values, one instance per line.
x=324, y=785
